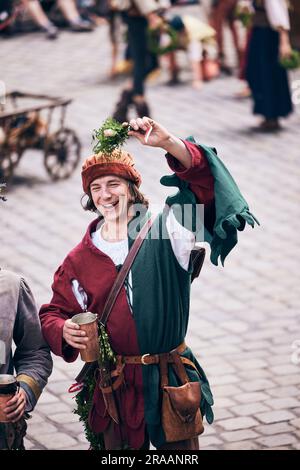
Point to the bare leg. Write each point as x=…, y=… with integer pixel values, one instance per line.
x=173, y=68
x=236, y=40
x=70, y=12
x=38, y=15
x=114, y=56
x=217, y=19
x=197, y=74
x=113, y=36
x=220, y=14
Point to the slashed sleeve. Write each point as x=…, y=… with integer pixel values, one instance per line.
x=62, y=306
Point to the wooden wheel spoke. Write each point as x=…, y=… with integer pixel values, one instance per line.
x=62, y=154
x=9, y=158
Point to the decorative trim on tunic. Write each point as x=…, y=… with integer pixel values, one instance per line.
x=31, y=383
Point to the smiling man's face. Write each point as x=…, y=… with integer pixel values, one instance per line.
x=111, y=196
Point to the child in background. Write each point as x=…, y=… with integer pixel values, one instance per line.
x=193, y=35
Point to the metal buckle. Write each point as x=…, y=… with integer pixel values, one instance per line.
x=143, y=359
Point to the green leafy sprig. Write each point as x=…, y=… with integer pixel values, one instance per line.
x=245, y=15
x=106, y=354
x=110, y=136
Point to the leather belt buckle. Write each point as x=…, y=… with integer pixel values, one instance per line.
x=143, y=359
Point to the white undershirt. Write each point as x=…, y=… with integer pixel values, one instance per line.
x=182, y=242
x=117, y=251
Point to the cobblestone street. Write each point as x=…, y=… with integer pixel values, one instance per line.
x=244, y=317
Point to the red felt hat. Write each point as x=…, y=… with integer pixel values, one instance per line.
x=119, y=163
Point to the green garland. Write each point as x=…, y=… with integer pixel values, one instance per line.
x=84, y=398
x=154, y=40
x=110, y=136
x=84, y=401
x=292, y=62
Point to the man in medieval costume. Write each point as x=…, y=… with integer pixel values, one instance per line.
x=31, y=359
x=150, y=316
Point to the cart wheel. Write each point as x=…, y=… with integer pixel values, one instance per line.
x=8, y=161
x=62, y=154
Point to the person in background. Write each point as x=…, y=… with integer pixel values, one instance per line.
x=224, y=11
x=193, y=34
x=138, y=15
x=6, y=13
x=295, y=24
x=69, y=11
x=244, y=14
x=267, y=78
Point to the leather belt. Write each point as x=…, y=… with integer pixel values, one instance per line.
x=146, y=360
x=149, y=359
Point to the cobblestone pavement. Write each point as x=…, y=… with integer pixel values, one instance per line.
x=244, y=317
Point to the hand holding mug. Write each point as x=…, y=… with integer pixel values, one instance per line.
x=15, y=407
x=74, y=336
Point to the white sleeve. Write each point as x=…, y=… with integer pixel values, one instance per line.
x=182, y=240
x=278, y=14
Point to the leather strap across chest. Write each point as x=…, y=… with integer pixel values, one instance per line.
x=125, y=270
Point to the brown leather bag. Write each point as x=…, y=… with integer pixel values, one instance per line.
x=181, y=417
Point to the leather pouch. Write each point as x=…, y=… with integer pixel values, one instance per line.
x=181, y=417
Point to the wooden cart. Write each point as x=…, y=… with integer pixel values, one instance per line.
x=29, y=127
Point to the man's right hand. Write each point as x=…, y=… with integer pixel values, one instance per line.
x=74, y=336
